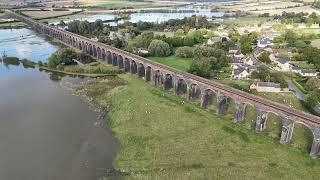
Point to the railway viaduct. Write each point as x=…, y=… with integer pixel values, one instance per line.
x=184, y=83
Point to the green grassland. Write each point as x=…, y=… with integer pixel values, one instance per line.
x=247, y=20
x=164, y=137
x=173, y=61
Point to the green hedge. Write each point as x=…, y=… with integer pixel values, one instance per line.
x=302, y=89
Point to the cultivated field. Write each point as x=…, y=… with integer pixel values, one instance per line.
x=121, y=3
x=272, y=7
x=48, y=14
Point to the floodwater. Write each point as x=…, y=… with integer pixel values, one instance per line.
x=46, y=132
x=177, y=13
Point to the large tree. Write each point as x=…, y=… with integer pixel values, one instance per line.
x=159, y=48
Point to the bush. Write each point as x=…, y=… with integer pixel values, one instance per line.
x=264, y=57
x=62, y=57
x=159, y=48
x=313, y=98
x=184, y=52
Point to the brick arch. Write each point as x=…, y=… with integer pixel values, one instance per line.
x=127, y=64
x=168, y=80
x=133, y=67
x=120, y=61
x=180, y=86
x=94, y=50
x=103, y=54
x=109, y=57
x=148, y=73
x=157, y=77
x=99, y=53
x=193, y=91
x=114, y=59
x=141, y=70
x=207, y=95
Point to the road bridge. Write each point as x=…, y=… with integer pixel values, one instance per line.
x=194, y=87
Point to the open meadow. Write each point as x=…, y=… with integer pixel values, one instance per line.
x=163, y=136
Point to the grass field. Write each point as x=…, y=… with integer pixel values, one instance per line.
x=316, y=43
x=245, y=21
x=164, y=137
x=173, y=61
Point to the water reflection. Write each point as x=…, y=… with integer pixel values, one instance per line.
x=25, y=44
x=45, y=131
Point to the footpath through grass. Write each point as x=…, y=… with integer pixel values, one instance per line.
x=164, y=137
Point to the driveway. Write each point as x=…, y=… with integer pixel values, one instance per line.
x=300, y=94
x=297, y=91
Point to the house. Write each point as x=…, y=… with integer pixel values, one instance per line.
x=240, y=72
x=234, y=50
x=266, y=86
x=141, y=52
x=224, y=37
x=283, y=64
x=234, y=60
x=315, y=26
x=264, y=42
x=295, y=69
x=212, y=40
x=308, y=73
x=302, y=26
x=248, y=61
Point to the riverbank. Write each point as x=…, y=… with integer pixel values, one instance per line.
x=163, y=136
x=93, y=70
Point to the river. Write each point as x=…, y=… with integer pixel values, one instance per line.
x=46, y=132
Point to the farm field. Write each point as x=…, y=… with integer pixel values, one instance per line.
x=271, y=7
x=49, y=14
x=121, y=3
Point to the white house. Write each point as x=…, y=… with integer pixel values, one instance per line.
x=239, y=72
x=266, y=86
x=234, y=50
x=308, y=73
x=302, y=26
x=315, y=26
x=283, y=64
x=295, y=69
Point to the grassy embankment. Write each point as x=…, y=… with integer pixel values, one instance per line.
x=163, y=136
